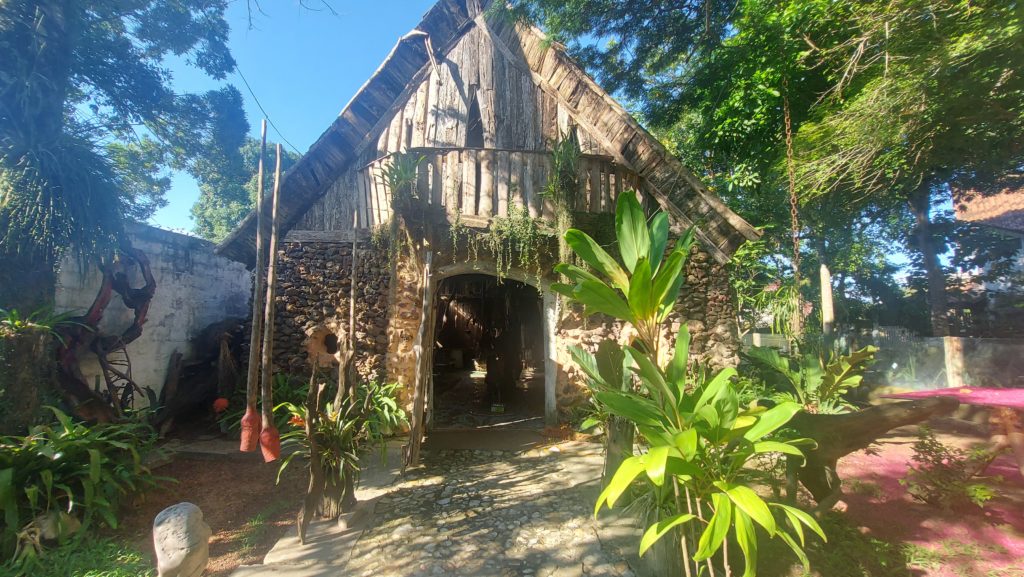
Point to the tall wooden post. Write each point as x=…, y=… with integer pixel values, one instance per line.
x=270, y=439
x=251, y=420
x=412, y=455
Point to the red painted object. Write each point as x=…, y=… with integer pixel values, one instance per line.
x=250, y=430
x=991, y=397
x=270, y=443
x=220, y=405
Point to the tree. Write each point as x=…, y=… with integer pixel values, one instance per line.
x=89, y=121
x=227, y=188
x=890, y=102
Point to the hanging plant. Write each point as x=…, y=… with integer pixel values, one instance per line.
x=513, y=240
x=563, y=187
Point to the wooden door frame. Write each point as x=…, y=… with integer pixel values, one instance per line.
x=549, y=300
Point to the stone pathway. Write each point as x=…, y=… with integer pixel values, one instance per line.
x=483, y=513
x=489, y=513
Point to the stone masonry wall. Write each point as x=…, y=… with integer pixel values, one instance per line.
x=313, y=301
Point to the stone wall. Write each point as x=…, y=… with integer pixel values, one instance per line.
x=313, y=302
x=195, y=288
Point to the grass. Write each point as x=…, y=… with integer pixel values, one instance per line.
x=849, y=553
x=254, y=530
x=88, y=557
x=866, y=488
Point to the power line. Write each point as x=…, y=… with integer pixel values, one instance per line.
x=264, y=111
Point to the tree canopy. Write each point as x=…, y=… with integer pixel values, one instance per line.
x=891, y=103
x=89, y=119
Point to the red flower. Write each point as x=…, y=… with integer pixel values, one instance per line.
x=220, y=405
x=297, y=421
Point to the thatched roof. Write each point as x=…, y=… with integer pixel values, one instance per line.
x=676, y=189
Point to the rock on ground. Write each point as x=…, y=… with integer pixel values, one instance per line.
x=182, y=541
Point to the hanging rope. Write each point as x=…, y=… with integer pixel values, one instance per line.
x=794, y=214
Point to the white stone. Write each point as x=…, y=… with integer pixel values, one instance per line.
x=182, y=541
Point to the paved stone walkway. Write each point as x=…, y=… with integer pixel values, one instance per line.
x=478, y=513
x=490, y=513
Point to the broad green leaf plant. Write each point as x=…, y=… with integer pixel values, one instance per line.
x=818, y=381
x=700, y=443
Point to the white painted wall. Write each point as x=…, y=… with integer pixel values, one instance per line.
x=195, y=288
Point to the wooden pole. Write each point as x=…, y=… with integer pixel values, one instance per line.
x=251, y=420
x=270, y=439
x=412, y=456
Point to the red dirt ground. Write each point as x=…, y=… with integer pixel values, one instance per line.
x=985, y=542
x=246, y=510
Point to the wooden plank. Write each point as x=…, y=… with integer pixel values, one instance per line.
x=543, y=174
x=487, y=191
x=383, y=207
x=452, y=173
x=423, y=180
x=501, y=178
x=594, y=204
x=419, y=132
x=515, y=182
x=469, y=161
x=395, y=132
x=607, y=204
x=433, y=84
x=531, y=194
x=436, y=180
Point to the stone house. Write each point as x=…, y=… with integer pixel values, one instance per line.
x=433, y=174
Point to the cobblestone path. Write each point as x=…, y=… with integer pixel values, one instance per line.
x=490, y=513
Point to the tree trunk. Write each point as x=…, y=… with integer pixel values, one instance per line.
x=920, y=204
x=619, y=446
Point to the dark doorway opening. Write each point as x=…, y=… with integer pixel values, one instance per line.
x=488, y=354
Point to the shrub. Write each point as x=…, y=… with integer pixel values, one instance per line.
x=947, y=476
x=698, y=471
x=69, y=473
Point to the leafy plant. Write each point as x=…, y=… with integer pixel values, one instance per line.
x=513, y=240
x=699, y=441
x=89, y=557
x=400, y=176
x=818, y=381
x=341, y=431
x=12, y=322
x=563, y=186
x=288, y=388
x=947, y=476
x=68, y=467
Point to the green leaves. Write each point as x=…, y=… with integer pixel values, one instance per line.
x=659, y=529
x=631, y=230
x=587, y=249
x=71, y=467
x=698, y=439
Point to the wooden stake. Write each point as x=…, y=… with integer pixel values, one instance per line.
x=412, y=455
x=270, y=439
x=250, y=421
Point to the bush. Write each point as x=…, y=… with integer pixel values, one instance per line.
x=65, y=474
x=946, y=476
x=89, y=557
x=288, y=389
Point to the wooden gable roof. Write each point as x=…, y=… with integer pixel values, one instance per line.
x=675, y=188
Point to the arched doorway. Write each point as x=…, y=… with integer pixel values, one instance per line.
x=493, y=363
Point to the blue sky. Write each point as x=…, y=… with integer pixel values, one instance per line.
x=303, y=66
